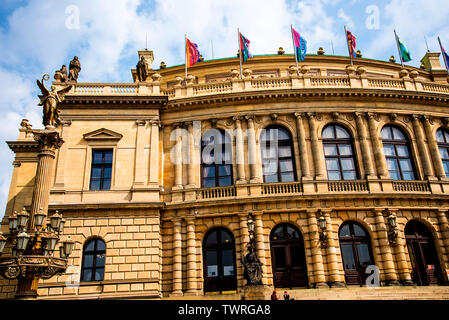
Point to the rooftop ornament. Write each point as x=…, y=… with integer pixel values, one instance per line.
x=358, y=54
x=281, y=51
x=320, y=51
x=163, y=65
x=392, y=59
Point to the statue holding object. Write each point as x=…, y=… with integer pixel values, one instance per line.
x=50, y=101
x=253, y=267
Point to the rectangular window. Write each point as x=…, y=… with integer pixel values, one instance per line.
x=101, y=172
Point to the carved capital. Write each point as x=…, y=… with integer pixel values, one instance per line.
x=155, y=123
x=311, y=115
x=299, y=115
x=48, y=139
x=358, y=115
x=188, y=123
x=141, y=122
x=415, y=117
x=427, y=119
x=372, y=115
x=249, y=117
x=237, y=118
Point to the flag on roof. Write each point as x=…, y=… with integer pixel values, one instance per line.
x=351, y=43
x=244, y=47
x=192, y=53
x=405, y=54
x=300, y=45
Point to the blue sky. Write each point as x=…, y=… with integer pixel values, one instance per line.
x=37, y=37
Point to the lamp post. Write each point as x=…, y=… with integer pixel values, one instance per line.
x=32, y=247
x=31, y=241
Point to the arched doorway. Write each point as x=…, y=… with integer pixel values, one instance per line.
x=219, y=261
x=356, y=253
x=423, y=254
x=288, y=257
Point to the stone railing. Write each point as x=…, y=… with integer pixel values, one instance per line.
x=251, y=84
x=411, y=186
x=386, y=83
x=347, y=186
x=282, y=188
x=216, y=193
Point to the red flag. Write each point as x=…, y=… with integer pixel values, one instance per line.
x=351, y=42
x=192, y=53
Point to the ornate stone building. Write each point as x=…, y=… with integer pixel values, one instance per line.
x=343, y=168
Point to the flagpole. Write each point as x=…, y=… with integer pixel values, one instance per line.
x=347, y=42
x=185, y=52
x=399, y=49
x=294, y=50
x=442, y=53
x=240, y=52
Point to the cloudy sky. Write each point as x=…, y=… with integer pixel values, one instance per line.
x=37, y=37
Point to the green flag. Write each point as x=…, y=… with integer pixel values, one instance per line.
x=406, y=57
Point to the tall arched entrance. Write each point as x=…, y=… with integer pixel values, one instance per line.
x=355, y=246
x=288, y=257
x=423, y=254
x=219, y=261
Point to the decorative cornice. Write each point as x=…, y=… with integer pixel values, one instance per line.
x=23, y=146
x=125, y=101
x=306, y=95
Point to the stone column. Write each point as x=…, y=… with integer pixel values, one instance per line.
x=433, y=148
x=191, y=157
x=62, y=156
x=252, y=151
x=239, y=150
x=315, y=246
x=191, y=257
x=381, y=163
x=49, y=141
x=425, y=162
x=139, y=178
x=444, y=230
x=303, y=154
x=389, y=269
x=177, y=258
x=364, y=146
x=260, y=243
x=317, y=150
x=154, y=153
x=178, y=162
x=244, y=241
x=336, y=277
x=401, y=260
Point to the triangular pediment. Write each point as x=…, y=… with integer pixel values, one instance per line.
x=102, y=134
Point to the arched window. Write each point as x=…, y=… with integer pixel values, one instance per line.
x=94, y=256
x=397, y=153
x=277, y=155
x=355, y=246
x=216, y=159
x=443, y=146
x=219, y=261
x=423, y=255
x=338, y=151
x=288, y=257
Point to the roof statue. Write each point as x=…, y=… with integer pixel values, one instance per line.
x=50, y=101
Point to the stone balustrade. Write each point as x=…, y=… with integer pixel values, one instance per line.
x=249, y=84
x=313, y=187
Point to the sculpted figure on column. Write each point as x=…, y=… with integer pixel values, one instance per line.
x=253, y=267
x=50, y=101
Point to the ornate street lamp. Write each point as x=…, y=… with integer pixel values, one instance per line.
x=322, y=223
x=31, y=250
x=392, y=227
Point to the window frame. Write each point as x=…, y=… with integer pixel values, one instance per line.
x=337, y=142
x=102, y=166
x=395, y=143
x=444, y=145
x=94, y=253
x=216, y=166
x=280, y=143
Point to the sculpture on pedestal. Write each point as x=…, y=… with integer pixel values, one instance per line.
x=253, y=267
x=50, y=101
x=75, y=69
x=142, y=68
x=61, y=75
